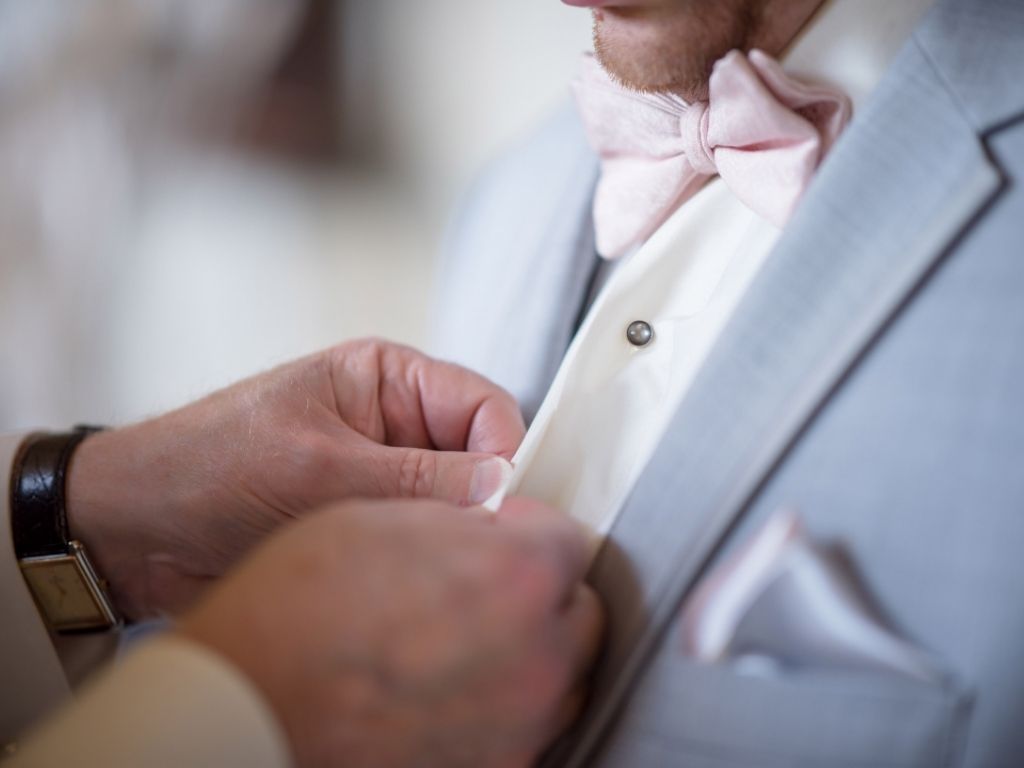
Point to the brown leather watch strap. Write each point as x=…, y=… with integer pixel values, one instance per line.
x=39, y=523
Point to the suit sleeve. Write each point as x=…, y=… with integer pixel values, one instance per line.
x=42, y=667
x=170, y=703
x=32, y=679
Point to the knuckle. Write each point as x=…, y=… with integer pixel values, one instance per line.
x=374, y=346
x=550, y=679
x=593, y=608
x=559, y=543
x=417, y=474
x=373, y=343
x=339, y=354
x=538, y=579
x=356, y=351
x=569, y=543
x=507, y=400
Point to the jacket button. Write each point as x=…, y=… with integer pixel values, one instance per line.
x=639, y=333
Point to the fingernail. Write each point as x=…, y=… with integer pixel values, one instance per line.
x=490, y=477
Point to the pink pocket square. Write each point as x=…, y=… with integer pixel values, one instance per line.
x=782, y=600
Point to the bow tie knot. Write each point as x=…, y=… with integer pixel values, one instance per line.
x=762, y=131
x=693, y=126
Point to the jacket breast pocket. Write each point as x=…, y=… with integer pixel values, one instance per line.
x=696, y=715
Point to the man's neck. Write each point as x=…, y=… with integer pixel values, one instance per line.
x=776, y=24
x=780, y=23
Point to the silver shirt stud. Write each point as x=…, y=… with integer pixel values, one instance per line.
x=639, y=333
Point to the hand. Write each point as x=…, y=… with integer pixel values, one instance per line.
x=166, y=506
x=390, y=634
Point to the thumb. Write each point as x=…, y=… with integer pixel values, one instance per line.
x=454, y=476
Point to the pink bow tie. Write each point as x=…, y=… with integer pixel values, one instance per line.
x=762, y=131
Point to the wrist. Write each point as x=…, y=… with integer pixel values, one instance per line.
x=108, y=500
x=138, y=499
x=56, y=567
x=96, y=480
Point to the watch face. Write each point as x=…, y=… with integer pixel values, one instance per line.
x=66, y=593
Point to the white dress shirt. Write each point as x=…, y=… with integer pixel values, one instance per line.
x=611, y=402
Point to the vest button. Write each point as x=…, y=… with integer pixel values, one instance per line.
x=639, y=333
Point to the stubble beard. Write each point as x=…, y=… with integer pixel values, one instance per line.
x=673, y=48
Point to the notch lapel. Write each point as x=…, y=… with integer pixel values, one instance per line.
x=909, y=177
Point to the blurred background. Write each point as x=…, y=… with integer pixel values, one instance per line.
x=195, y=190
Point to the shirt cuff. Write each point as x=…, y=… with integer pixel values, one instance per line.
x=169, y=703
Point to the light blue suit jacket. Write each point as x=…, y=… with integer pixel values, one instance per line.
x=873, y=378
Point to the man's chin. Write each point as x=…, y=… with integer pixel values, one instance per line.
x=642, y=60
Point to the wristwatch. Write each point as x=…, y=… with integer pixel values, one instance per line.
x=67, y=590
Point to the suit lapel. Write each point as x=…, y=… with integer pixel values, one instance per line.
x=518, y=262
x=909, y=177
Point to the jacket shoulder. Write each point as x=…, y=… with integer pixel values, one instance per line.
x=531, y=175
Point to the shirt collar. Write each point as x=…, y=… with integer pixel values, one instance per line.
x=851, y=43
